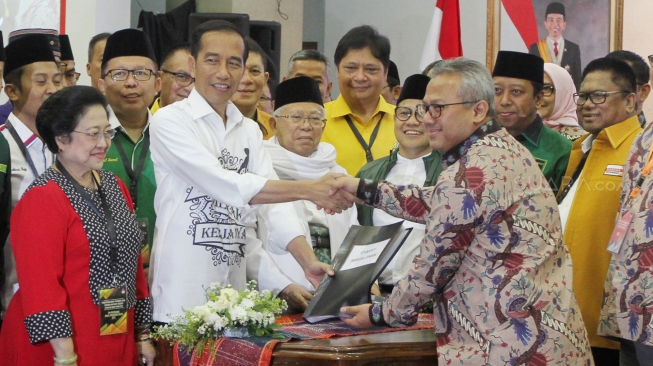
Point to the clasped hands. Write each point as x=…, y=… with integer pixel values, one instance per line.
x=335, y=192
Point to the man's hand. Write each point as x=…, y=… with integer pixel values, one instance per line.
x=361, y=316
x=296, y=297
x=146, y=353
x=304, y=255
x=347, y=183
x=325, y=194
x=315, y=272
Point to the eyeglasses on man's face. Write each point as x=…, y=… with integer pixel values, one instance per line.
x=123, y=74
x=181, y=78
x=299, y=120
x=597, y=96
x=435, y=110
x=97, y=135
x=72, y=76
x=404, y=113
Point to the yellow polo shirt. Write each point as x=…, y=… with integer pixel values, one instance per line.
x=155, y=106
x=350, y=153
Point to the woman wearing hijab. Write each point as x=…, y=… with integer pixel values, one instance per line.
x=558, y=110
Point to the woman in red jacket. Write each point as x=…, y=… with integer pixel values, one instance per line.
x=82, y=297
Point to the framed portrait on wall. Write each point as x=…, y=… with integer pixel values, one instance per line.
x=570, y=33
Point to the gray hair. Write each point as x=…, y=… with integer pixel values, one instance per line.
x=307, y=55
x=475, y=80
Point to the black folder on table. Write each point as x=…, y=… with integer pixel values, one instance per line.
x=363, y=255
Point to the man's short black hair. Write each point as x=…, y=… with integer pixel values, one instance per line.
x=639, y=65
x=14, y=78
x=537, y=88
x=256, y=48
x=214, y=26
x=184, y=46
x=361, y=37
x=622, y=74
x=91, y=45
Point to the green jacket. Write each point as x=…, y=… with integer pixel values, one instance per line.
x=379, y=170
x=550, y=149
x=146, y=187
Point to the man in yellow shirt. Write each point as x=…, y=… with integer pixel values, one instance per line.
x=176, y=80
x=360, y=123
x=591, y=190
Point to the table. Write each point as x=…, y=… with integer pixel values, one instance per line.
x=413, y=347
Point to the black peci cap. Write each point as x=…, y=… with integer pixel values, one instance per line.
x=51, y=34
x=128, y=42
x=519, y=66
x=555, y=8
x=414, y=87
x=26, y=50
x=66, y=49
x=297, y=90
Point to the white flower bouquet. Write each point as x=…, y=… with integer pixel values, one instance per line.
x=226, y=309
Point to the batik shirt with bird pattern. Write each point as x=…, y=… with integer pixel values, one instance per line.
x=492, y=259
x=628, y=293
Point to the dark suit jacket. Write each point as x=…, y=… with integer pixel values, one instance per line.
x=570, y=59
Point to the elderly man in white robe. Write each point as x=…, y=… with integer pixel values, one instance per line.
x=298, y=154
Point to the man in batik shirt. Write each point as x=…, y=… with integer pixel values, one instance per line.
x=628, y=292
x=492, y=259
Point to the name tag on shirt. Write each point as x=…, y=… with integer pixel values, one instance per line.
x=113, y=310
x=614, y=170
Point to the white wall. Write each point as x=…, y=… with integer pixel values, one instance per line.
x=638, y=36
x=405, y=23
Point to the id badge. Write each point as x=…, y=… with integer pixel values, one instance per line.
x=619, y=232
x=143, y=226
x=113, y=310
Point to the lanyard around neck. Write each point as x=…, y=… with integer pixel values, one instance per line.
x=108, y=214
x=23, y=148
x=367, y=147
x=134, y=175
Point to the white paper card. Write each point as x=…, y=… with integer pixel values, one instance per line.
x=361, y=255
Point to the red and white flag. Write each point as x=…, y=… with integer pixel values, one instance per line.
x=518, y=25
x=443, y=38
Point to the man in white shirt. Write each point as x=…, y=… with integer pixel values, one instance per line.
x=212, y=171
x=31, y=75
x=298, y=154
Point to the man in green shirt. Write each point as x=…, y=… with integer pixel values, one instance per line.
x=130, y=82
x=518, y=81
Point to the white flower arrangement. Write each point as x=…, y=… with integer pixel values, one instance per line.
x=226, y=309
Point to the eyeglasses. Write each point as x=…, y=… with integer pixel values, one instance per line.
x=72, y=76
x=123, y=74
x=404, y=113
x=108, y=135
x=62, y=67
x=313, y=121
x=264, y=98
x=548, y=90
x=435, y=110
x=181, y=78
x=597, y=96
